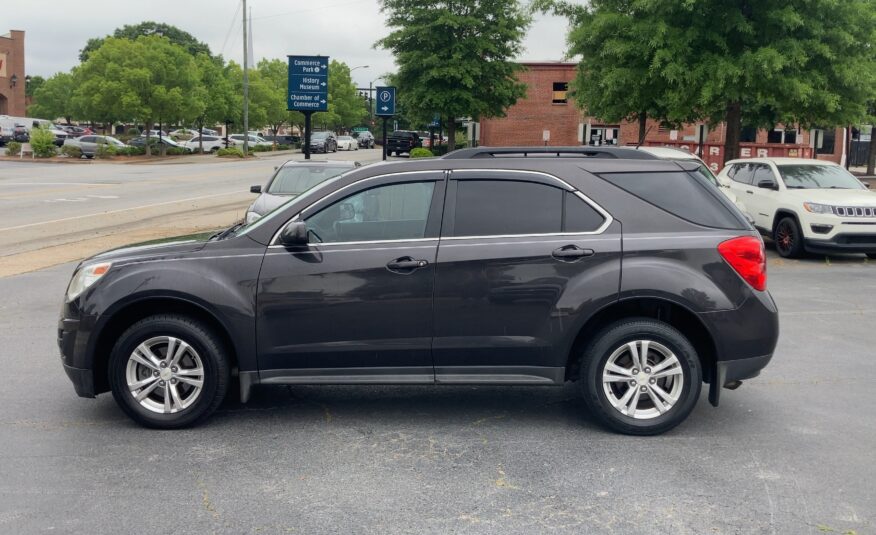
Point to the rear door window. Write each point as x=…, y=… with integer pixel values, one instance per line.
x=688, y=196
x=505, y=207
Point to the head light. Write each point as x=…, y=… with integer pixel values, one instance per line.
x=85, y=277
x=816, y=208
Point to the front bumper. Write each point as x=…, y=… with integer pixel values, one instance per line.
x=73, y=334
x=83, y=381
x=843, y=243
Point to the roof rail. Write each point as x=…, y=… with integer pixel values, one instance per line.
x=546, y=152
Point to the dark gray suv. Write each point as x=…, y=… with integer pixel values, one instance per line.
x=633, y=276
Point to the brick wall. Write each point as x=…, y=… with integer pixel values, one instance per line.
x=12, y=45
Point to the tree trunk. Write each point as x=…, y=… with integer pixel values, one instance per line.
x=643, y=123
x=148, y=128
x=201, y=137
x=451, y=135
x=733, y=120
x=871, y=154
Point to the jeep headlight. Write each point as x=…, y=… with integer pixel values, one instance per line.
x=85, y=277
x=816, y=208
x=252, y=217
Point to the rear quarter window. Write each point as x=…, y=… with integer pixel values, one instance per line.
x=684, y=195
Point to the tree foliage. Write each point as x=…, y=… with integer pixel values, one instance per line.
x=344, y=104
x=133, y=31
x=54, y=98
x=456, y=58
x=35, y=82
x=759, y=63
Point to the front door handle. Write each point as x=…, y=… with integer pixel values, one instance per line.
x=748, y=191
x=571, y=253
x=406, y=264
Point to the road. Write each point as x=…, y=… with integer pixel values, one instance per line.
x=56, y=212
x=789, y=452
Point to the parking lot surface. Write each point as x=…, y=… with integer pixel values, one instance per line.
x=789, y=452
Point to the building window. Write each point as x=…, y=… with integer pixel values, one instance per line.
x=774, y=136
x=749, y=134
x=780, y=135
x=559, y=94
x=828, y=142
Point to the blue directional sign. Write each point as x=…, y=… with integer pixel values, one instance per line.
x=385, y=104
x=308, y=83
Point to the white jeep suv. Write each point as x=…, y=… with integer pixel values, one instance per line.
x=805, y=205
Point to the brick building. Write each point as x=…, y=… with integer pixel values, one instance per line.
x=545, y=116
x=12, y=74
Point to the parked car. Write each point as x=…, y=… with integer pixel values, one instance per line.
x=365, y=139
x=76, y=131
x=155, y=141
x=20, y=134
x=670, y=153
x=402, y=141
x=535, y=282
x=290, y=180
x=237, y=139
x=90, y=144
x=211, y=143
x=806, y=205
x=347, y=143
x=324, y=142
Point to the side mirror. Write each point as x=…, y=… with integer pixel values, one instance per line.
x=255, y=189
x=767, y=184
x=294, y=234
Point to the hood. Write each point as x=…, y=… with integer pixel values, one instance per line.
x=834, y=197
x=155, y=248
x=268, y=201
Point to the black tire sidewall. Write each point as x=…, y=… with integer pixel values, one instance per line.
x=209, y=348
x=795, y=249
x=617, y=334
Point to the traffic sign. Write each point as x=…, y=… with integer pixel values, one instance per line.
x=385, y=102
x=308, y=83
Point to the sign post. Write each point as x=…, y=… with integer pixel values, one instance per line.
x=308, y=90
x=385, y=108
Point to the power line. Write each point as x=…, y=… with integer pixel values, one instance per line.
x=320, y=8
x=230, y=29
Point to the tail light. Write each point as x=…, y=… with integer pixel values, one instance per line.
x=746, y=255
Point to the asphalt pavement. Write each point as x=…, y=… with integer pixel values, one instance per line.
x=789, y=452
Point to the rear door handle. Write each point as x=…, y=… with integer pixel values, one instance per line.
x=748, y=191
x=571, y=253
x=406, y=264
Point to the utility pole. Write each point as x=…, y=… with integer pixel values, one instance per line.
x=245, y=86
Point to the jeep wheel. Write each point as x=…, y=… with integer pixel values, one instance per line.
x=788, y=238
x=168, y=371
x=640, y=377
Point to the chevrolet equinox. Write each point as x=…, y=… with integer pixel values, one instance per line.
x=631, y=275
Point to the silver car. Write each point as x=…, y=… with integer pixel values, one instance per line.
x=89, y=144
x=290, y=180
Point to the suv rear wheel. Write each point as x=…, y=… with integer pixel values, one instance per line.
x=788, y=238
x=640, y=377
x=168, y=371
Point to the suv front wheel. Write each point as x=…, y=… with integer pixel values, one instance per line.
x=788, y=238
x=640, y=377
x=169, y=371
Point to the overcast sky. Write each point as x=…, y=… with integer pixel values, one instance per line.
x=342, y=29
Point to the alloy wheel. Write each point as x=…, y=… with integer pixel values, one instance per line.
x=642, y=379
x=165, y=374
x=785, y=237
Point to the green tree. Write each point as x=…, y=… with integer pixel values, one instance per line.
x=33, y=83
x=274, y=73
x=215, y=92
x=54, y=98
x=455, y=58
x=259, y=96
x=806, y=62
x=344, y=104
x=133, y=31
x=149, y=79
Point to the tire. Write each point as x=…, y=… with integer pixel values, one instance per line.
x=788, y=238
x=681, y=387
x=205, y=351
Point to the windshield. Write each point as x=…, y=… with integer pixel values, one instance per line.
x=344, y=138
x=818, y=177
x=296, y=179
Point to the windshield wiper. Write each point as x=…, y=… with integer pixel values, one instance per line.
x=225, y=233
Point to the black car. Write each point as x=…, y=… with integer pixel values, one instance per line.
x=324, y=142
x=633, y=276
x=365, y=139
x=402, y=141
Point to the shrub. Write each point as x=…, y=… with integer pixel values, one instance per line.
x=420, y=152
x=105, y=150
x=42, y=142
x=71, y=151
x=283, y=147
x=439, y=150
x=133, y=132
x=230, y=152
x=175, y=151
x=261, y=148
x=13, y=148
